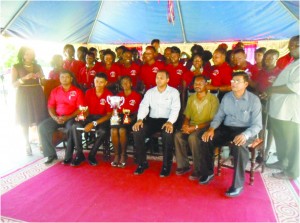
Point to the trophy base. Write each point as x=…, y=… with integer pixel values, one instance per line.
x=115, y=121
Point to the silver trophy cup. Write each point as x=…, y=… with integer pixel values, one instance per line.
x=115, y=103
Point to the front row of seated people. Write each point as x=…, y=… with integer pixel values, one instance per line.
x=238, y=121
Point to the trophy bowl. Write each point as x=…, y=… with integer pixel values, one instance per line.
x=115, y=103
x=81, y=116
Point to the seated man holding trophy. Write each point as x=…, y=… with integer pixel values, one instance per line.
x=162, y=104
x=94, y=117
x=130, y=103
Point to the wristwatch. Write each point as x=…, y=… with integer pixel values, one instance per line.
x=95, y=123
x=196, y=127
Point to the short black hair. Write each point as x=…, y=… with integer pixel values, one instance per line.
x=101, y=75
x=206, y=55
x=221, y=51
x=151, y=47
x=239, y=50
x=261, y=50
x=125, y=77
x=175, y=49
x=109, y=52
x=197, y=49
x=67, y=72
x=69, y=46
x=199, y=76
x=90, y=53
x=164, y=71
x=273, y=52
x=241, y=73
x=155, y=41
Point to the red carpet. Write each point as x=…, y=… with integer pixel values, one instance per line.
x=103, y=193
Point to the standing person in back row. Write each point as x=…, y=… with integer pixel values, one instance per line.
x=284, y=115
x=162, y=104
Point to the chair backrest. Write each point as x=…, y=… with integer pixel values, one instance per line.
x=50, y=84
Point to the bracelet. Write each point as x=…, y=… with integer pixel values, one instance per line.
x=20, y=81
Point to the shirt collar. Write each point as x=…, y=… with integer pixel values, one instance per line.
x=245, y=96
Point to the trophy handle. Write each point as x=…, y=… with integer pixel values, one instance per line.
x=122, y=101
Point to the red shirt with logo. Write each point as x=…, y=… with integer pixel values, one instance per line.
x=132, y=102
x=221, y=75
x=266, y=78
x=250, y=69
x=176, y=74
x=97, y=105
x=76, y=66
x=65, y=102
x=133, y=71
x=282, y=62
x=113, y=73
x=86, y=76
x=148, y=73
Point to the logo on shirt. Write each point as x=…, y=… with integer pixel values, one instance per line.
x=133, y=73
x=102, y=101
x=155, y=69
x=113, y=74
x=179, y=72
x=72, y=94
x=92, y=73
x=132, y=102
x=215, y=72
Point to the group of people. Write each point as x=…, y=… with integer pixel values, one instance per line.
x=219, y=104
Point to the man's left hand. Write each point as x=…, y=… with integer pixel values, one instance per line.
x=239, y=140
x=168, y=126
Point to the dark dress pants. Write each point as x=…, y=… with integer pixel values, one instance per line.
x=152, y=125
x=100, y=133
x=223, y=136
x=46, y=130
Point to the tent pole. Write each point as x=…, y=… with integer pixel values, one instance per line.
x=181, y=21
x=99, y=10
x=283, y=5
x=15, y=16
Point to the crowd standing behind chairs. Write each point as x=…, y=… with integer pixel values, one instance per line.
x=160, y=79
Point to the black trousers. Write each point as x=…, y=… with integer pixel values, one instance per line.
x=152, y=125
x=101, y=132
x=224, y=135
x=46, y=130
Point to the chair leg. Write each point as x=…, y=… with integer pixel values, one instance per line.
x=219, y=151
x=252, y=167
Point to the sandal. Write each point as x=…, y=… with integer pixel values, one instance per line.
x=122, y=165
x=114, y=164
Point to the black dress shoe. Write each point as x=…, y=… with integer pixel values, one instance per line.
x=165, y=171
x=206, y=179
x=51, y=159
x=141, y=168
x=66, y=161
x=234, y=192
x=78, y=160
x=92, y=161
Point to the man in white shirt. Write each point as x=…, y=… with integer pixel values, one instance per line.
x=284, y=115
x=162, y=104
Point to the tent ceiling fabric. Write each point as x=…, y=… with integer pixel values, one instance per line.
x=118, y=22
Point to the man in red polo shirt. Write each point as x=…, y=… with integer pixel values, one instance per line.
x=111, y=69
x=88, y=72
x=129, y=68
x=176, y=71
x=221, y=73
x=63, y=107
x=150, y=68
x=282, y=62
x=98, y=116
x=242, y=64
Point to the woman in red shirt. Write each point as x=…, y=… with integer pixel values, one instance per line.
x=119, y=133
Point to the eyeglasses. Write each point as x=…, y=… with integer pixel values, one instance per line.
x=236, y=81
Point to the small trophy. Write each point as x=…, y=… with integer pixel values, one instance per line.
x=81, y=116
x=126, y=113
x=115, y=103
